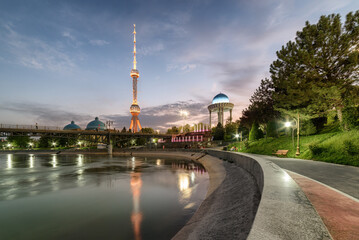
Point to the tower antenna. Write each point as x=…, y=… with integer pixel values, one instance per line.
x=134, y=47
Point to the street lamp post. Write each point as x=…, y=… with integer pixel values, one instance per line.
x=288, y=124
x=109, y=123
x=298, y=150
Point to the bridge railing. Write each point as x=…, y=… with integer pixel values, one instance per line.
x=35, y=127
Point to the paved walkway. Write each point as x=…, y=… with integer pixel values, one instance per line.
x=339, y=213
x=332, y=189
x=340, y=177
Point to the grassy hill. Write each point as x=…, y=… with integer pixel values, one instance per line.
x=335, y=147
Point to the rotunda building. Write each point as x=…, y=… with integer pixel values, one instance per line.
x=72, y=126
x=96, y=125
x=220, y=104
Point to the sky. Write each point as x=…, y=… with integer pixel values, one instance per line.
x=71, y=60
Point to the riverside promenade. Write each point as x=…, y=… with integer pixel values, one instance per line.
x=231, y=209
x=333, y=190
x=300, y=199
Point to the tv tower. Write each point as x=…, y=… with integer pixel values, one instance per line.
x=134, y=109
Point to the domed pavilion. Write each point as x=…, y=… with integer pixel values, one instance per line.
x=72, y=126
x=220, y=104
x=96, y=125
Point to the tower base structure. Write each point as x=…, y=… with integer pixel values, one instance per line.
x=135, y=124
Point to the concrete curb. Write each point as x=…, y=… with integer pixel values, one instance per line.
x=284, y=211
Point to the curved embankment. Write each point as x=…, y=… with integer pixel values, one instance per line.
x=231, y=210
x=284, y=211
x=230, y=206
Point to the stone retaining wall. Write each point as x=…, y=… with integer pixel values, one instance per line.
x=284, y=211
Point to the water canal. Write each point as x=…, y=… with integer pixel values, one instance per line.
x=97, y=196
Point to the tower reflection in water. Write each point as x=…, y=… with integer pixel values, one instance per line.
x=136, y=216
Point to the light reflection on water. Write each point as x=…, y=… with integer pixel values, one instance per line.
x=9, y=161
x=54, y=160
x=31, y=161
x=136, y=216
x=150, y=198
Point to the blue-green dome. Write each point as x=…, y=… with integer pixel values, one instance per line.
x=96, y=125
x=220, y=98
x=72, y=126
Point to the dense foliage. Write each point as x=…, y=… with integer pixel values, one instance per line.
x=313, y=77
x=318, y=71
x=19, y=141
x=173, y=130
x=147, y=130
x=255, y=133
x=218, y=132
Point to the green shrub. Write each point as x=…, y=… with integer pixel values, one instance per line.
x=351, y=117
x=246, y=144
x=350, y=148
x=308, y=128
x=315, y=149
x=228, y=137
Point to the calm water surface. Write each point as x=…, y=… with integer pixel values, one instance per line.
x=97, y=197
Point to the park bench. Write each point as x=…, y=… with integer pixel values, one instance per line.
x=281, y=152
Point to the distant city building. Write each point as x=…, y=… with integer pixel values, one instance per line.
x=72, y=126
x=135, y=108
x=220, y=105
x=96, y=125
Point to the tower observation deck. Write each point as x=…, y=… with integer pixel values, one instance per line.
x=135, y=108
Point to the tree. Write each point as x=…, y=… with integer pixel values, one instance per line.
x=147, y=130
x=66, y=142
x=218, y=132
x=293, y=93
x=272, y=129
x=230, y=130
x=141, y=141
x=261, y=108
x=44, y=142
x=19, y=141
x=351, y=117
x=124, y=130
x=173, y=130
x=186, y=128
x=314, y=73
x=255, y=132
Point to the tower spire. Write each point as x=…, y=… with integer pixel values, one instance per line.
x=134, y=109
x=134, y=47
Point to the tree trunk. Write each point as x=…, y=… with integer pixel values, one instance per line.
x=340, y=114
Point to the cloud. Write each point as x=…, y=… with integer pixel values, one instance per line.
x=165, y=116
x=46, y=114
x=182, y=67
x=98, y=42
x=68, y=35
x=159, y=117
x=150, y=49
x=34, y=53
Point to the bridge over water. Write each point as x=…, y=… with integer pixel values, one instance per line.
x=107, y=136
